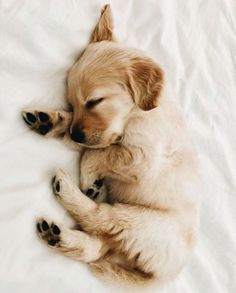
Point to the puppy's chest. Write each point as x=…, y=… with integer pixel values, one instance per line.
x=119, y=191
x=125, y=191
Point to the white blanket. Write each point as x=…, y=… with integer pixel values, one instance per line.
x=195, y=42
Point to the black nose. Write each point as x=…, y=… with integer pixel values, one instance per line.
x=77, y=135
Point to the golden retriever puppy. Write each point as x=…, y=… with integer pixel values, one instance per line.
x=135, y=145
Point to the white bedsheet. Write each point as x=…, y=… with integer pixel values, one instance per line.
x=39, y=40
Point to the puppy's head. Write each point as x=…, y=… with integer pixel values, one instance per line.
x=106, y=84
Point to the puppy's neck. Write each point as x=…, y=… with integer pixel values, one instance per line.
x=143, y=127
x=138, y=128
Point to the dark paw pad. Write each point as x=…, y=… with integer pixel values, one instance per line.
x=43, y=117
x=58, y=187
x=44, y=226
x=31, y=117
x=45, y=128
x=49, y=232
x=55, y=229
x=39, y=121
x=92, y=193
x=96, y=191
x=53, y=242
x=89, y=192
x=98, y=183
x=26, y=121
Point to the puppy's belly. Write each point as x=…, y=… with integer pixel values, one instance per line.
x=140, y=193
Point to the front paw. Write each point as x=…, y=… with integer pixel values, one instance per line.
x=63, y=185
x=97, y=191
x=38, y=121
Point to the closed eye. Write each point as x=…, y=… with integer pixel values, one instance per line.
x=92, y=103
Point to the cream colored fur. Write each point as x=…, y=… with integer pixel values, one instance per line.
x=147, y=229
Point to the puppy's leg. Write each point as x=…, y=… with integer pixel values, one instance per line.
x=114, y=273
x=80, y=246
x=73, y=243
x=70, y=196
x=98, y=219
x=50, y=124
x=117, y=224
x=113, y=162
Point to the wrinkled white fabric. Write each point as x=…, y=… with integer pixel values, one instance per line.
x=195, y=43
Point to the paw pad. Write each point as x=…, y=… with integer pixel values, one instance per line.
x=45, y=226
x=43, y=117
x=98, y=183
x=45, y=128
x=40, y=121
x=89, y=192
x=58, y=187
x=30, y=117
x=49, y=233
x=53, y=242
x=55, y=230
x=62, y=184
x=95, y=190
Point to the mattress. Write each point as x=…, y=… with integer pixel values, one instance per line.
x=195, y=43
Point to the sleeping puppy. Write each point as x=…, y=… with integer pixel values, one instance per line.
x=134, y=143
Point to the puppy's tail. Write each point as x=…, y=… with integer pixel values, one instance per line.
x=114, y=273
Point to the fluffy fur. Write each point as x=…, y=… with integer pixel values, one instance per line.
x=135, y=139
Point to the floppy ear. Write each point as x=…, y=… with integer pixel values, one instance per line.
x=104, y=29
x=145, y=82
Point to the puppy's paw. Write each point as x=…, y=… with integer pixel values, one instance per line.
x=49, y=232
x=38, y=121
x=49, y=123
x=97, y=191
x=63, y=186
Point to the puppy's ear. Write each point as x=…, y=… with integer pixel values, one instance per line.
x=104, y=29
x=145, y=82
